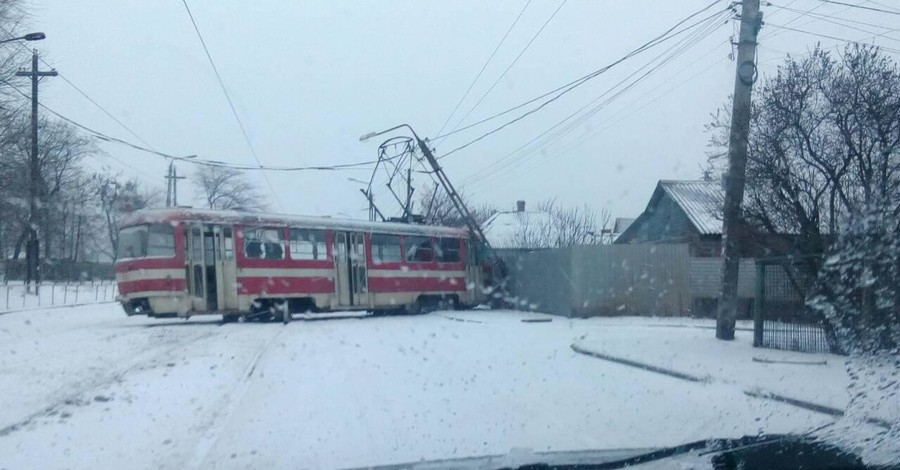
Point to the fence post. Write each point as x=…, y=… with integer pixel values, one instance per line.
x=76, y=291
x=758, y=302
x=7, y=296
x=96, y=292
x=53, y=294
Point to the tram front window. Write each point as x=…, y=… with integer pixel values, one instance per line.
x=146, y=241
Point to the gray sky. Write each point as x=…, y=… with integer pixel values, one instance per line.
x=308, y=78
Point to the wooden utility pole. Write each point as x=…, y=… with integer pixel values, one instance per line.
x=732, y=224
x=32, y=247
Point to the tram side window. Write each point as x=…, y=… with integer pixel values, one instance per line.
x=386, y=248
x=447, y=250
x=419, y=249
x=263, y=243
x=229, y=243
x=307, y=244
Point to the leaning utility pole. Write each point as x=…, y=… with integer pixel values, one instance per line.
x=32, y=247
x=732, y=224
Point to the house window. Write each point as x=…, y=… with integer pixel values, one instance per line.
x=419, y=249
x=308, y=244
x=264, y=243
x=447, y=250
x=386, y=248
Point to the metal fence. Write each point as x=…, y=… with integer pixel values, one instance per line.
x=15, y=296
x=781, y=318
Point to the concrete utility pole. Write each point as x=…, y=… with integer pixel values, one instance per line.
x=751, y=22
x=32, y=247
x=172, y=187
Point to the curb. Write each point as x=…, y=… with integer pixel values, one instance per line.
x=806, y=405
x=639, y=365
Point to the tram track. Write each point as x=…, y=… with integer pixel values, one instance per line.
x=76, y=397
x=232, y=399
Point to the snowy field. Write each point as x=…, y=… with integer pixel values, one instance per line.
x=88, y=387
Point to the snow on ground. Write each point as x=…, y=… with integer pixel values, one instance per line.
x=92, y=388
x=696, y=351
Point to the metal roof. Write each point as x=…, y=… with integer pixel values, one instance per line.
x=701, y=201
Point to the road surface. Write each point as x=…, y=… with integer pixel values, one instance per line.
x=88, y=387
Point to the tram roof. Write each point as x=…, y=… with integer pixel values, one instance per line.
x=256, y=218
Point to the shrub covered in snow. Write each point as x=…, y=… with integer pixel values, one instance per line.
x=858, y=292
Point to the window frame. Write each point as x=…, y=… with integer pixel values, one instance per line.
x=245, y=240
x=406, y=249
x=373, y=248
x=319, y=246
x=441, y=250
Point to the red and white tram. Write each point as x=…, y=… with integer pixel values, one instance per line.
x=185, y=262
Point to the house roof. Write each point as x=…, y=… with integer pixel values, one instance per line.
x=621, y=224
x=701, y=201
x=517, y=229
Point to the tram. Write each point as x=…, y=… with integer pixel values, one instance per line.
x=182, y=262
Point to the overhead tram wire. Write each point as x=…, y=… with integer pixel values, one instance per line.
x=568, y=124
x=561, y=90
x=862, y=7
x=494, y=85
x=483, y=67
x=230, y=102
x=654, y=42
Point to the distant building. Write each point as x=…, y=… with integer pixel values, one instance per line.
x=619, y=226
x=519, y=229
x=681, y=212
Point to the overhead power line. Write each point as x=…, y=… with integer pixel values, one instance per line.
x=563, y=89
x=571, y=122
x=653, y=42
x=493, y=85
x=836, y=38
x=861, y=7
x=191, y=159
x=483, y=67
x=228, y=98
x=82, y=92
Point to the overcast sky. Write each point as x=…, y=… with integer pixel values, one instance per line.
x=308, y=78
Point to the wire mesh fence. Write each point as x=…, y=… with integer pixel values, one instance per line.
x=781, y=318
x=15, y=296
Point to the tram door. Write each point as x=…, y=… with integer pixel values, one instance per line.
x=351, y=275
x=210, y=260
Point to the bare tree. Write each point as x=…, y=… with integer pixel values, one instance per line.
x=554, y=225
x=438, y=209
x=226, y=188
x=824, y=144
x=118, y=198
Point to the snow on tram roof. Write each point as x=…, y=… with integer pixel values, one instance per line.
x=239, y=217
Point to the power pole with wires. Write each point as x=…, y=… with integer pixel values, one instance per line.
x=32, y=247
x=172, y=185
x=732, y=224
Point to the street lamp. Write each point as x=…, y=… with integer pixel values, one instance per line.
x=27, y=37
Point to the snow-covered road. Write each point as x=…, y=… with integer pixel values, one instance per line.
x=87, y=387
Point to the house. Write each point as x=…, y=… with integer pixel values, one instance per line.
x=681, y=212
x=519, y=229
